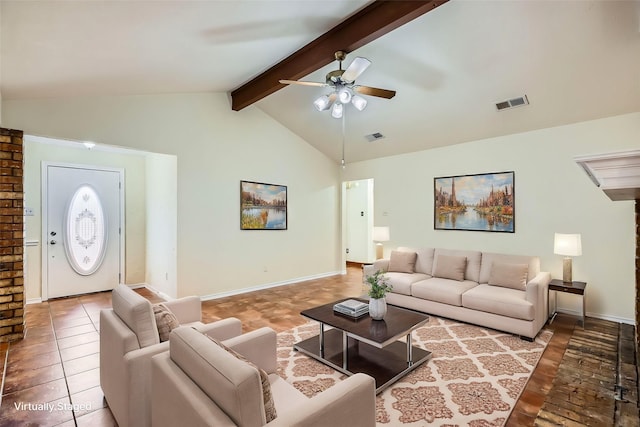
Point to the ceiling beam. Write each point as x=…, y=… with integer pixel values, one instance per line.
x=375, y=20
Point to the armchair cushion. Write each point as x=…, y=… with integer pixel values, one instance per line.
x=267, y=396
x=231, y=383
x=165, y=320
x=136, y=312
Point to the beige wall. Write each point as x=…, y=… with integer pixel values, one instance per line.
x=553, y=194
x=215, y=149
x=134, y=165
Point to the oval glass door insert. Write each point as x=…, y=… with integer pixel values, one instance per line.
x=85, y=237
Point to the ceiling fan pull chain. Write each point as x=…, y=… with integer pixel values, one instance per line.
x=344, y=114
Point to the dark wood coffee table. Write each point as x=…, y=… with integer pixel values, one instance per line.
x=366, y=345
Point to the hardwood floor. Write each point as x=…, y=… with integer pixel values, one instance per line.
x=58, y=362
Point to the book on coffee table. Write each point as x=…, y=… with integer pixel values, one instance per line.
x=351, y=307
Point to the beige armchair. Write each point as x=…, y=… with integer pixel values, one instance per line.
x=129, y=338
x=198, y=383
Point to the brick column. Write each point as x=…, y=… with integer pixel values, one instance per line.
x=11, y=236
x=638, y=276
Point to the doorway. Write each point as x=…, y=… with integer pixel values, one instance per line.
x=82, y=219
x=359, y=220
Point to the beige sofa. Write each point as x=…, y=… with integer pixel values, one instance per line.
x=199, y=383
x=499, y=291
x=129, y=338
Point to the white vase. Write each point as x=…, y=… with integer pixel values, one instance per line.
x=377, y=308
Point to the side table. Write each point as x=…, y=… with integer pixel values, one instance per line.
x=576, y=288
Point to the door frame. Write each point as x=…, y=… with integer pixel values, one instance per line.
x=44, y=176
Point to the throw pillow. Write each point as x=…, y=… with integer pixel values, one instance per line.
x=402, y=262
x=509, y=275
x=450, y=267
x=166, y=321
x=267, y=396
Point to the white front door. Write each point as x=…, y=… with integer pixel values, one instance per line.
x=81, y=229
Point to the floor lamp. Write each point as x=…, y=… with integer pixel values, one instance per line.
x=380, y=234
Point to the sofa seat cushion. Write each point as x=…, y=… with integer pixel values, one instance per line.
x=401, y=282
x=445, y=291
x=498, y=300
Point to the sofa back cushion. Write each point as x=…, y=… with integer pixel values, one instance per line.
x=509, y=275
x=472, y=271
x=402, y=262
x=424, y=259
x=232, y=384
x=450, y=267
x=489, y=258
x=137, y=313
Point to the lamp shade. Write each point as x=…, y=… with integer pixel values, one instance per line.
x=567, y=244
x=381, y=234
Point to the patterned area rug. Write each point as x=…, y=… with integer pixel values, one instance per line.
x=474, y=378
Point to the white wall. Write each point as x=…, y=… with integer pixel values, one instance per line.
x=215, y=148
x=553, y=194
x=162, y=233
x=133, y=164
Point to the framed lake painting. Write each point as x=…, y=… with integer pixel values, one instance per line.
x=263, y=206
x=482, y=202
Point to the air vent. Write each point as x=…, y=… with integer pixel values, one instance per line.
x=374, y=137
x=511, y=103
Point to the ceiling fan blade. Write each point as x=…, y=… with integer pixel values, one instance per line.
x=300, y=82
x=374, y=91
x=354, y=70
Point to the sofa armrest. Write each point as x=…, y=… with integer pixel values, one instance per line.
x=537, y=287
x=259, y=346
x=187, y=309
x=336, y=406
x=381, y=264
x=221, y=329
x=538, y=294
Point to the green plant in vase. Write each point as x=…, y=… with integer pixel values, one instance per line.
x=378, y=288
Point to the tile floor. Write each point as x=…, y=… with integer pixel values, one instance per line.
x=57, y=363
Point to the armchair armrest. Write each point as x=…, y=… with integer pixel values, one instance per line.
x=187, y=309
x=336, y=406
x=259, y=346
x=221, y=329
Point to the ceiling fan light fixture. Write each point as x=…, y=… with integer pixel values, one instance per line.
x=345, y=95
x=359, y=102
x=336, y=111
x=322, y=103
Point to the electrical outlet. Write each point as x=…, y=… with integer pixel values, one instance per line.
x=28, y=212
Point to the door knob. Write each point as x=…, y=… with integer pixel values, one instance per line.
x=53, y=242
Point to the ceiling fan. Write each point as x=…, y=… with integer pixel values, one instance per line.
x=344, y=88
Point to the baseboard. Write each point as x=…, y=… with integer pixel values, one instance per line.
x=159, y=293
x=269, y=285
x=33, y=301
x=598, y=316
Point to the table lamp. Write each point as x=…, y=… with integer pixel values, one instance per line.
x=380, y=234
x=568, y=245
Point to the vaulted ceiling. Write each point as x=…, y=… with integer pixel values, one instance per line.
x=575, y=61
